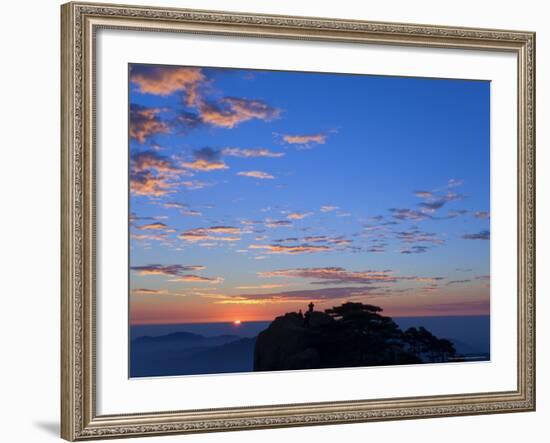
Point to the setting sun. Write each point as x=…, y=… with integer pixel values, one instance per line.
x=237, y=322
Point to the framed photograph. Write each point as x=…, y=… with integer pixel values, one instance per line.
x=283, y=221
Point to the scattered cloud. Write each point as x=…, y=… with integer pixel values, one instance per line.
x=191, y=278
x=453, y=183
x=416, y=249
x=152, y=174
x=415, y=235
x=166, y=270
x=481, y=235
x=456, y=213
x=144, y=123
x=174, y=205
x=145, y=237
x=299, y=296
x=269, y=223
x=256, y=174
x=192, y=213
x=328, y=208
x=153, y=226
x=206, y=159
x=251, y=153
x=264, y=286
x=408, y=214
x=196, y=184
x=457, y=282
x=231, y=111
x=305, y=141
x=295, y=249
x=148, y=291
x=424, y=194
x=212, y=233
x=298, y=215
x=334, y=275
x=165, y=80
x=482, y=215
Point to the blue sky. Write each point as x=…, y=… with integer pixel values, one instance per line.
x=254, y=192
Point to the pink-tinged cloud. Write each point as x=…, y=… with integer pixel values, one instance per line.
x=164, y=80
x=256, y=174
x=277, y=223
x=144, y=237
x=424, y=194
x=265, y=286
x=213, y=233
x=191, y=278
x=166, y=270
x=296, y=249
x=157, y=226
x=144, y=123
x=298, y=296
x=298, y=215
x=336, y=275
x=174, y=205
x=251, y=153
x=231, y=111
x=148, y=291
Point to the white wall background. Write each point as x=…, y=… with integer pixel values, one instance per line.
x=29, y=225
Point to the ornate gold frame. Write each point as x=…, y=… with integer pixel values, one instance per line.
x=79, y=23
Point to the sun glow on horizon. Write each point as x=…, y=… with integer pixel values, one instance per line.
x=236, y=322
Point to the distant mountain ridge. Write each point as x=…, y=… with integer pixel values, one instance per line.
x=186, y=353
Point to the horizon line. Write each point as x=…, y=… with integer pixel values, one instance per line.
x=270, y=320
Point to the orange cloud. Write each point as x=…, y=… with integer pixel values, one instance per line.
x=152, y=174
x=148, y=184
x=153, y=226
x=256, y=174
x=204, y=165
x=266, y=286
x=164, y=80
x=298, y=215
x=197, y=279
x=231, y=111
x=157, y=237
x=144, y=122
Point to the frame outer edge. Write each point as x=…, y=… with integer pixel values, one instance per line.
x=68, y=402
x=78, y=418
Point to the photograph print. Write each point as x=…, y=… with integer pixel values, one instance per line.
x=283, y=220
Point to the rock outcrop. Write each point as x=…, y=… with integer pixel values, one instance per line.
x=350, y=335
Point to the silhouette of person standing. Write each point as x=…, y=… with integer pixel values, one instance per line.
x=310, y=306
